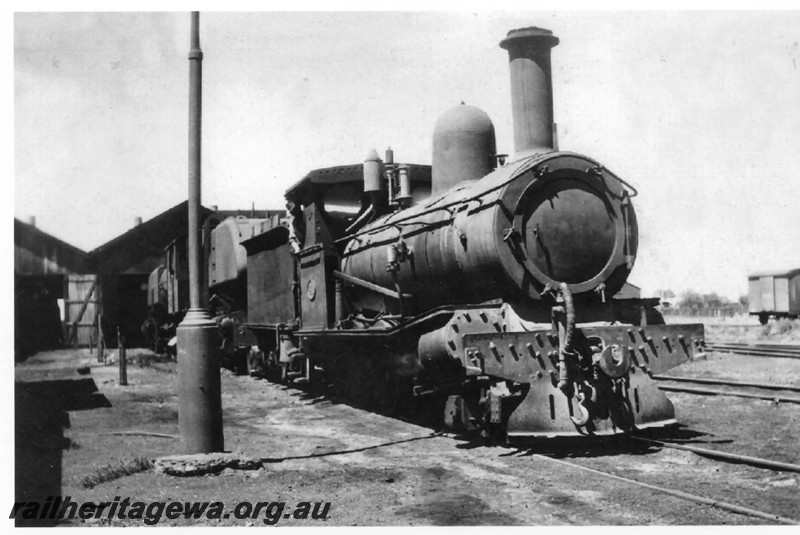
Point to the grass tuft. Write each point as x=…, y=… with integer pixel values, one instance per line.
x=782, y=327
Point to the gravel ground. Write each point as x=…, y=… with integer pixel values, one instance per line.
x=376, y=470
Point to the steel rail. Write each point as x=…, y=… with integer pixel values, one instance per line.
x=758, y=347
x=732, y=393
x=723, y=382
x=756, y=350
x=721, y=455
x=719, y=504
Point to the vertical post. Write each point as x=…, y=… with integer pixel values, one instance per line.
x=195, y=130
x=338, y=301
x=199, y=396
x=123, y=359
x=101, y=343
x=156, y=339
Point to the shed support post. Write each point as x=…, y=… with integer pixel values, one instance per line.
x=123, y=359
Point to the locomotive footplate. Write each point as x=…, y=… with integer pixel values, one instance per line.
x=609, y=388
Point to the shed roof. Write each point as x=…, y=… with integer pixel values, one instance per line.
x=775, y=273
x=141, y=249
x=38, y=253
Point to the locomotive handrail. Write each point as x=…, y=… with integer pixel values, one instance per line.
x=412, y=321
x=599, y=172
x=525, y=166
x=370, y=286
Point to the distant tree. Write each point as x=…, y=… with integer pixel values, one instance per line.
x=691, y=300
x=744, y=300
x=695, y=303
x=713, y=300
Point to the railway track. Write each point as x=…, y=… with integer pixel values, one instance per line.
x=719, y=504
x=779, y=393
x=725, y=457
x=791, y=351
x=617, y=473
x=716, y=455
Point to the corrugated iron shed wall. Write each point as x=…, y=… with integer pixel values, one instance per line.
x=41, y=264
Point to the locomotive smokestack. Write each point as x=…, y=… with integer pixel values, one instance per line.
x=531, y=87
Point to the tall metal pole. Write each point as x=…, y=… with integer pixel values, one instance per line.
x=195, y=129
x=199, y=391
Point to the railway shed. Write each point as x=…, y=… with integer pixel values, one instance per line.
x=124, y=264
x=44, y=269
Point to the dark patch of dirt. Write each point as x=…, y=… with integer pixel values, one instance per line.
x=454, y=508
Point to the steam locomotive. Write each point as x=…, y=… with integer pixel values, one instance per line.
x=225, y=279
x=483, y=288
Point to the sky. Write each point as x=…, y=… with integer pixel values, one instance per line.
x=700, y=111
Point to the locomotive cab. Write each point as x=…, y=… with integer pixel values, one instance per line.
x=338, y=195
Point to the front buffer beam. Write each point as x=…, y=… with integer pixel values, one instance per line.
x=610, y=389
